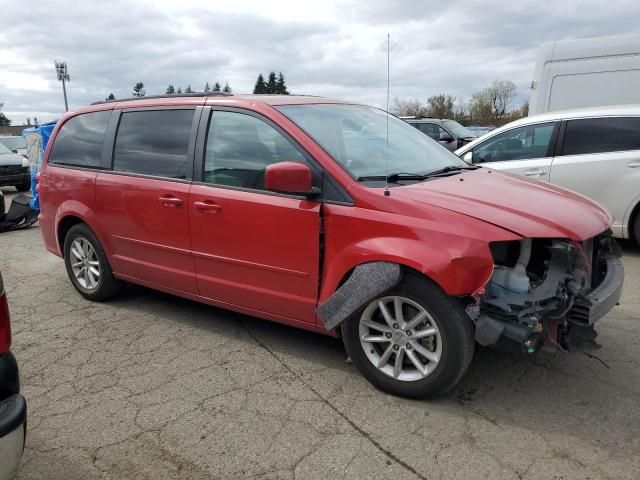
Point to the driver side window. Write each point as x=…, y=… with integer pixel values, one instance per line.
x=432, y=130
x=240, y=147
x=528, y=142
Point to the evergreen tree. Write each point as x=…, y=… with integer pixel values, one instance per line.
x=111, y=97
x=170, y=90
x=281, y=86
x=179, y=89
x=227, y=88
x=4, y=121
x=260, y=86
x=28, y=121
x=138, y=90
x=207, y=88
x=272, y=83
x=217, y=87
x=188, y=89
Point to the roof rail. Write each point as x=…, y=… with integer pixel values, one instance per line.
x=172, y=95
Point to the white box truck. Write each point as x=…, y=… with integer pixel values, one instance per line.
x=586, y=73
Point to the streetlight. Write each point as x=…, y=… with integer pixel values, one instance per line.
x=63, y=75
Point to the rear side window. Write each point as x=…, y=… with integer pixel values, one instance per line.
x=153, y=142
x=79, y=141
x=598, y=135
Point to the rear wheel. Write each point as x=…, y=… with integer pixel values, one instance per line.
x=636, y=228
x=87, y=264
x=414, y=341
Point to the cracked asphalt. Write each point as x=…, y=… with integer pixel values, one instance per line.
x=152, y=386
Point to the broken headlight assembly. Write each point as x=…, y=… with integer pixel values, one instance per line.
x=538, y=286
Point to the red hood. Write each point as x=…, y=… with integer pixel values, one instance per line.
x=526, y=207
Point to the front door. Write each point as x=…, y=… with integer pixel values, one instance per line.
x=255, y=249
x=143, y=204
x=526, y=150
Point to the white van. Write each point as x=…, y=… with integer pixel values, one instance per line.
x=586, y=73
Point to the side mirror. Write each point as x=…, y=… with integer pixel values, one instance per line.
x=468, y=157
x=445, y=137
x=14, y=150
x=290, y=177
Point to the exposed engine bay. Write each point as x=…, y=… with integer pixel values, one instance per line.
x=548, y=292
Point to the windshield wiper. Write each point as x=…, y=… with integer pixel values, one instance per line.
x=449, y=170
x=392, y=177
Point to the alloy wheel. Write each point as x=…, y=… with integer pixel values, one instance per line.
x=400, y=338
x=85, y=264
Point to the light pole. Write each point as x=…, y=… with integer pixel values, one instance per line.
x=63, y=76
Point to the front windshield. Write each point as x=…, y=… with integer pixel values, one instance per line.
x=458, y=130
x=13, y=142
x=355, y=136
x=4, y=150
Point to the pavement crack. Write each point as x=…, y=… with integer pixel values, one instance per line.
x=353, y=425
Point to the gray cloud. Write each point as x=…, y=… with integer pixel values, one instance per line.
x=453, y=47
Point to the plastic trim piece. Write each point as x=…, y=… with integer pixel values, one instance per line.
x=367, y=281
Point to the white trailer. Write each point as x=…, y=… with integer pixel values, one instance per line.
x=586, y=73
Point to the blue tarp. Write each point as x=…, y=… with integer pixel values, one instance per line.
x=37, y=139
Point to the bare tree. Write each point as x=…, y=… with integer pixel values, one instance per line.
x=501, y=94
x=402, y=107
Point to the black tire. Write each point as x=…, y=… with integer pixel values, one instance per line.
x=456, y=332
x=24, y=187
x=107, y=285
x=636, y=229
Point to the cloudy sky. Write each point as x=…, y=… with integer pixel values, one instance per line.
x=330, y=48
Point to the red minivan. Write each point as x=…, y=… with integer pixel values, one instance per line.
x=329, y=216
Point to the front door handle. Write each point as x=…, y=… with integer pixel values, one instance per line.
x=207, y=206
x=634, y=164
x=170, y=201
x=535, y=172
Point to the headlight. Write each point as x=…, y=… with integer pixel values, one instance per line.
x=25, y=161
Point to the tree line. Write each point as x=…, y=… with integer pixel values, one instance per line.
x=275, y=84
x=493, y=105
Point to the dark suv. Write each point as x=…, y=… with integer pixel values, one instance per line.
x=448, y=133
x=14, y=170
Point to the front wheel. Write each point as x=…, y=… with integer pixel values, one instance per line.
x=414, y=341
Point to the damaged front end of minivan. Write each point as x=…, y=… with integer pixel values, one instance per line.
x=548, y=292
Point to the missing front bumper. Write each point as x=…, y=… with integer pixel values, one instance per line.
x=589, y=308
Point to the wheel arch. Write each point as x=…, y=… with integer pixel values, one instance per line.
x=70, y=214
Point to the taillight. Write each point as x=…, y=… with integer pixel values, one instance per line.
x=5, y=324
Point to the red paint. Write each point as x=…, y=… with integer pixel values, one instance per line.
x=260, y=253
x=5, y=321
x=288, y=177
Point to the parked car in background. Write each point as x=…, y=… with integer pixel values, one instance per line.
x=13, y=407
x=595, y=152
x=479, y=131
x=448, y=133
x=586, y=73
x=14, y=143
x=14, y=170
x=328, y=216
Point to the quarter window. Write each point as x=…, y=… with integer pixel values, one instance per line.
x=531, y=141
x=598, y=135
x=153, y=142
x=79, y=141
x=239, y=149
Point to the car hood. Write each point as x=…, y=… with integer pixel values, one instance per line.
x=526, y=207
x=10, y=159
